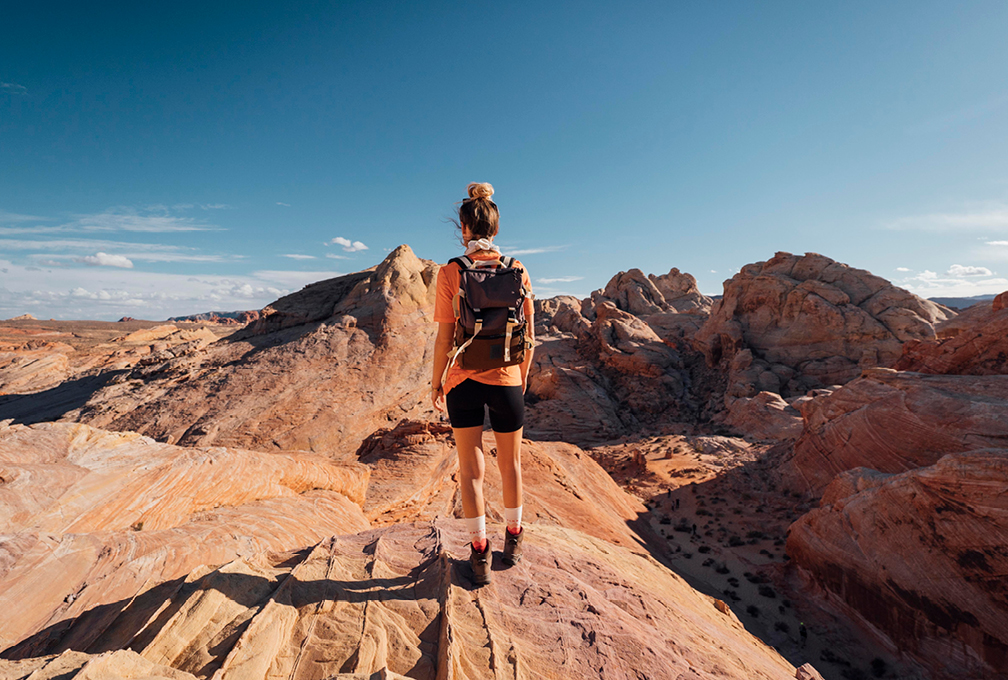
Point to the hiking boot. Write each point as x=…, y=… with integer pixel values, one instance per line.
x=512, y=546
x=480, y=563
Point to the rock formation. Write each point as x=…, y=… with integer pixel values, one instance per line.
x=797, y=323
x=974, y=343
x=892, y=422
x=396, y=602
x=319, y=371
x=127, y=557
x=921, y=556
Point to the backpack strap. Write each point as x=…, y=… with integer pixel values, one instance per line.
x=463, y=261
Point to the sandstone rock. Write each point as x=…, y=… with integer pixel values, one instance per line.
x=892, y=422
x=976, y=343
x=807, y=672
x=823, y=320
x=562, y=313
x=397, y=601
x=681, y=293
x=23, y=317
x=1000, y=302
x=91, y=517
x=921, y=556
x=319, y=371
x=765, y=416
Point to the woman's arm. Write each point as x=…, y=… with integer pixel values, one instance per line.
x=442, y=346
x=527, y=361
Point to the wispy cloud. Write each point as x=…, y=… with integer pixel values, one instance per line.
x=334, y=256
x=902, y=269
x=9, y=218
x=995, y=217
x=104, y=260
x=348, y=245
x=110, y=293
x=286, y=205
x=146, y=221
x=560, y=279
x=13, y=88
x=297, y=256
x=534, y=251
x=145, y=252
x=997, y=243
x=216, y=206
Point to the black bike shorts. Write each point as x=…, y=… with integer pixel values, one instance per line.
x=506, y=403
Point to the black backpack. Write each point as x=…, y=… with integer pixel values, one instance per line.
x=490, y=325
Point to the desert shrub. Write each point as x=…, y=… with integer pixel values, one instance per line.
x=753, y=611
x=767, y=591
x=782, y=626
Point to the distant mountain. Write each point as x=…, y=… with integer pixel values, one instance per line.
x=961, y=302
x=242, y=317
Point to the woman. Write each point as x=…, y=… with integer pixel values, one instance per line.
x=465, y=393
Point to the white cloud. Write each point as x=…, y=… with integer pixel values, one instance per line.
x=713, y=271
x=902, y=269
x=968, y=270
x=110, y=293
x=334, y=256
x=216, y=206
x=286, y=205
x=994, y=217
x=13, y=87
x=348, y=245
x=100, y=259
x=997, y=243
x=296, y=256
x=930, y=284
x=561, y=279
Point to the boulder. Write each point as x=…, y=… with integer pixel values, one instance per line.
x=816, y=320
x=921, y=556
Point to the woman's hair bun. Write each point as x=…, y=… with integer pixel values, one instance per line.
x=480, y=190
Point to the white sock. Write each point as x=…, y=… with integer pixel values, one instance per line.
x=477, y=528
x=513, y=517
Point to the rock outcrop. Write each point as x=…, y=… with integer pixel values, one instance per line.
x=396, y=602
x=921, y=556
x=320, y=370
x=974, y=343
x=811, y=322
x=893, y=422
x=798, y=323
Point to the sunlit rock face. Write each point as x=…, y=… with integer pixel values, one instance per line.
x=811, y=322
x=974, y=343
x=921, y=555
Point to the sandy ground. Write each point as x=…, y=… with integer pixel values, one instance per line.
x=713, y=502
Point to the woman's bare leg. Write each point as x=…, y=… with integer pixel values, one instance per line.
x=509, y=464
x=469, y=441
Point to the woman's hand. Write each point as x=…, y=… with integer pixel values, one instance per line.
x=437, y=397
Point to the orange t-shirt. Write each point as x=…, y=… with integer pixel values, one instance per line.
x=447, y=287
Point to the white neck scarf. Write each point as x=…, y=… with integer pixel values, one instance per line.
x=481, y=244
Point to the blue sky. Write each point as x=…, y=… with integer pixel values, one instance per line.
x=172, y=159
